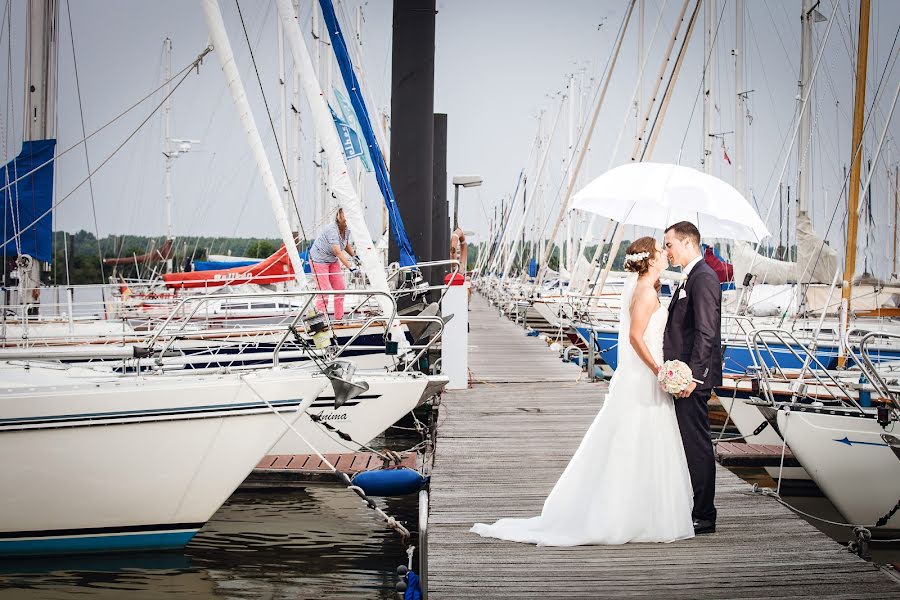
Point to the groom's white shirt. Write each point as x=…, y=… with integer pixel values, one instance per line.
x=690, y=265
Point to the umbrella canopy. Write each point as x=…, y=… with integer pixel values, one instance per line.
x=657, y=195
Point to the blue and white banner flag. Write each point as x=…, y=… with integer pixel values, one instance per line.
x=349, y=138
x=350, y=117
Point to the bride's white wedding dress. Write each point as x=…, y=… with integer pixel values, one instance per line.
x=628, y=481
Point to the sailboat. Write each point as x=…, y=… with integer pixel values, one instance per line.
x=94, y=463
x=852, y=451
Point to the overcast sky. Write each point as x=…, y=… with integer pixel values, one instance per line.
x=501, y=68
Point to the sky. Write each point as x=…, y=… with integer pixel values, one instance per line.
x=502, y=74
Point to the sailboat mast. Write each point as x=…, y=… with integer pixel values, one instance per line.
x=40, y=113
x=896, y=207
x=222, y=46
x=862, y=55
x=740, y=100
x=40, y=79
x=319, y=156
x=283, y=133
x=167, y=140
x=709, y=103
x=294, y=137
x=805, y=162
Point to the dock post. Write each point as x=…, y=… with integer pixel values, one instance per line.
x=592, y=341
x=455, y=341
x=423, y=543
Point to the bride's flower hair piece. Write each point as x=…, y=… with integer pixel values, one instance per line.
x=638, y=255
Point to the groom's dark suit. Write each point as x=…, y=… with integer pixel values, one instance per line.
x=693, y=336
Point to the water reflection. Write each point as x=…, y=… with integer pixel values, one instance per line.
x=302, y=543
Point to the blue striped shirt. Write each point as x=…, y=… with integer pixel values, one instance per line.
x=320, y=251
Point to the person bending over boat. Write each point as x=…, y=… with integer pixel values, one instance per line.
x=329, y=250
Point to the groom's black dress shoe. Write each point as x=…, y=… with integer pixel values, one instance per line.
x=702, y=526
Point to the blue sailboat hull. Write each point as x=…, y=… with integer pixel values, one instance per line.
x=737, y=358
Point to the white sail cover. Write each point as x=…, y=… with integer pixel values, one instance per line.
x=339, y=182
x=816, y=261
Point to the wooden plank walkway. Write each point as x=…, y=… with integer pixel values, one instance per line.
x=501, y=448
x=495, y=351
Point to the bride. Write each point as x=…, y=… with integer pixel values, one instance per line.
x=628, y=481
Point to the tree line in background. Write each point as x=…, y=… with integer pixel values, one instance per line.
x=77, y=256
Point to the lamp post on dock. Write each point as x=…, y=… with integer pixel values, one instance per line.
x=464, y=181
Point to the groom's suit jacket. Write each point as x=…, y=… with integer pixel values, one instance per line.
x=694, y=328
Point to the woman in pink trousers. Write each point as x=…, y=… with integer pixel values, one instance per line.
x=328, y=252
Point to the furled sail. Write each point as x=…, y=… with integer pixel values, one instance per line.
x=161, y=254
x=816, y=261
x=407, y=257
x=27, y=201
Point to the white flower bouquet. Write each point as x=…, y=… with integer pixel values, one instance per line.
x=674, y=377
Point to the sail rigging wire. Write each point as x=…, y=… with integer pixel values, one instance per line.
x=528, y=202
x=185, y=71
x=615, y=149
x=262, y=91
x=585, y=137
x=5, y=23
x=699, y=94
x=840, y=199
x=660, y=75
x=10, y=113
x=115, y=151
x=87, y=159
x=804, y=102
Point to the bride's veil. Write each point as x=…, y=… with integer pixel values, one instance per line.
x=625, y=316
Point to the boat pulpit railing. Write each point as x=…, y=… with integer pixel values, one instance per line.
x=740, y=334
x=587, y=303
x=171, y=330
x=850, y=345
x=163, y=331
x=761, y=341
x=873, y=375
x=410, y=280
x=314, y=330
x=434, y=330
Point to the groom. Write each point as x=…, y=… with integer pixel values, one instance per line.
x=693, y=336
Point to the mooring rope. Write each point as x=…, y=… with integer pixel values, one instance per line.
x=391, y=521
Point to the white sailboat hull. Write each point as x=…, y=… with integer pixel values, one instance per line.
x=389, y=398
x=848, y=457
x=133, y=464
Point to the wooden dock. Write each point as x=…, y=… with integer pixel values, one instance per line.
x=290, y=470
x=504, y=442
x=735, y=454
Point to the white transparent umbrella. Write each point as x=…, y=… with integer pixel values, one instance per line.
x=657, y=195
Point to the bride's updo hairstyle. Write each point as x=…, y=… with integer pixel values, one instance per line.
x=638, y=255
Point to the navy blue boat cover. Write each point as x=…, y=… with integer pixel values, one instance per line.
x=27, y=195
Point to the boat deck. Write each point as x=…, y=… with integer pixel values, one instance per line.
x=503, y=443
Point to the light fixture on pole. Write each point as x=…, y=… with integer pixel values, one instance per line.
x=464, y=181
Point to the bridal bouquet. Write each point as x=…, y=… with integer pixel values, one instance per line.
x=674, y=377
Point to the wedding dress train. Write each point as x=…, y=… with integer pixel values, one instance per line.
x=628, y=481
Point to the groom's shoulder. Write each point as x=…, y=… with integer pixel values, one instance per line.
x=704, y=272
